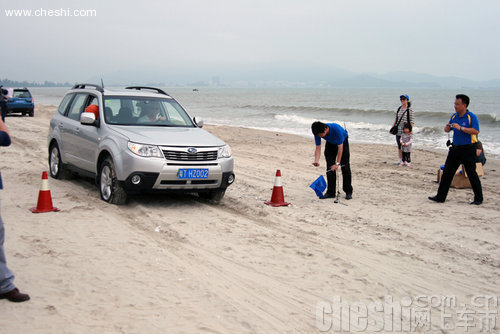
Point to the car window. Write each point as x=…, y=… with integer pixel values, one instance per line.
x=145, y=112
x=111, y=109
x=21, y=94
x=94, y=100
x=77, y=106
x=64, y=104
x=175, y=114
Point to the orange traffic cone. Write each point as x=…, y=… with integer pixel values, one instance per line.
x=277, y=198
x=44, y=198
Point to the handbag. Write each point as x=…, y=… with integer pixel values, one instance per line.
x=394, y=129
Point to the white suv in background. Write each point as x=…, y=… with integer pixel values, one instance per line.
x=135, y=140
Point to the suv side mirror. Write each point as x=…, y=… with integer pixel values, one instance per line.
x=198, y=121
x=87, y=118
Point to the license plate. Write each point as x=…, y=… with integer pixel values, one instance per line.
x=193, y=173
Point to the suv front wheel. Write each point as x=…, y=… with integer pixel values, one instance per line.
x=215, y=195
x=111, y=190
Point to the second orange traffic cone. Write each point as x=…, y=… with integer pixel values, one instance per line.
x=277, y=198
x=44, y=198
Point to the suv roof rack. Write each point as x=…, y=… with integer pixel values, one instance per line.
x=84, y=85
x=158, y=90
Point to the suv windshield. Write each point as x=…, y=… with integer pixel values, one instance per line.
x=123, y=110
x=21, y=93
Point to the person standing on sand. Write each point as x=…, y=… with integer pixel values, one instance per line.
x=4, y=95
x=336, y=155
x=403, y=114
x=7, y=288
x=465, y=126
x=406, y=143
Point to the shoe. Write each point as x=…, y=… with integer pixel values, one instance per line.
x=436, y=199
x=15, y=296
x=402, y=164
x=476, y=202
x=399, y=162
x=328, y=195
x=348, y=196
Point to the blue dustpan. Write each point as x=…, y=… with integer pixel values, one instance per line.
x=319, y=186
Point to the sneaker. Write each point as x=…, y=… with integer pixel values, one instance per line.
x=402, y=164
x=408, y=164
x=400, y=161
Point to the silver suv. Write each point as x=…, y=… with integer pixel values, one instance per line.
x=135, y=140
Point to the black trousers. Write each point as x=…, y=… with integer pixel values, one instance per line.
x=331, y=151
x=466, y=155
x=3, y=106
x=407, y=156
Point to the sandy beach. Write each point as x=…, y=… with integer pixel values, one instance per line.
x=178, y=264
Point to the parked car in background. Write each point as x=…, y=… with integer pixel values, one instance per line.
x=21, y=102
x=134, y=140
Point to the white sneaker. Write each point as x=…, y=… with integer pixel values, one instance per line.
x=400, y=161
x=402, y=164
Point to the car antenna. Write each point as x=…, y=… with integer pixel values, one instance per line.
x=102, y=83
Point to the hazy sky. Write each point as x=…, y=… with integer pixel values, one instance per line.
x=439, y=37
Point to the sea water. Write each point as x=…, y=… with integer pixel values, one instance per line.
x=366, y=113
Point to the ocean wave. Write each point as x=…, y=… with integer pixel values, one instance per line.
x=295, y=119
x=309, y=109
x=486, y=119
x=489, y=119
x=300, y=120
x=429, y=130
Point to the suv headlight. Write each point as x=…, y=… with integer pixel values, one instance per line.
x=145, y=150
x=224, y=152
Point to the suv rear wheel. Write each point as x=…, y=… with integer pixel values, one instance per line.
x=56, y=167
x=111, y=190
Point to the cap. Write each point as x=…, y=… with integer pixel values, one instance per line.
x=93, y=109
x=405, y=96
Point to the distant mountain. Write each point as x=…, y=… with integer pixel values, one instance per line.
x=428, y=80
x=13, y=83
x=270, y=75
x=294, y=76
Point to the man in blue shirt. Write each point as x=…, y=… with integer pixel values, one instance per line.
x=7, y=288
x=465, y=126
x=336, y=155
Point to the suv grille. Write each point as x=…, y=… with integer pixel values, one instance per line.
x=184, y=156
